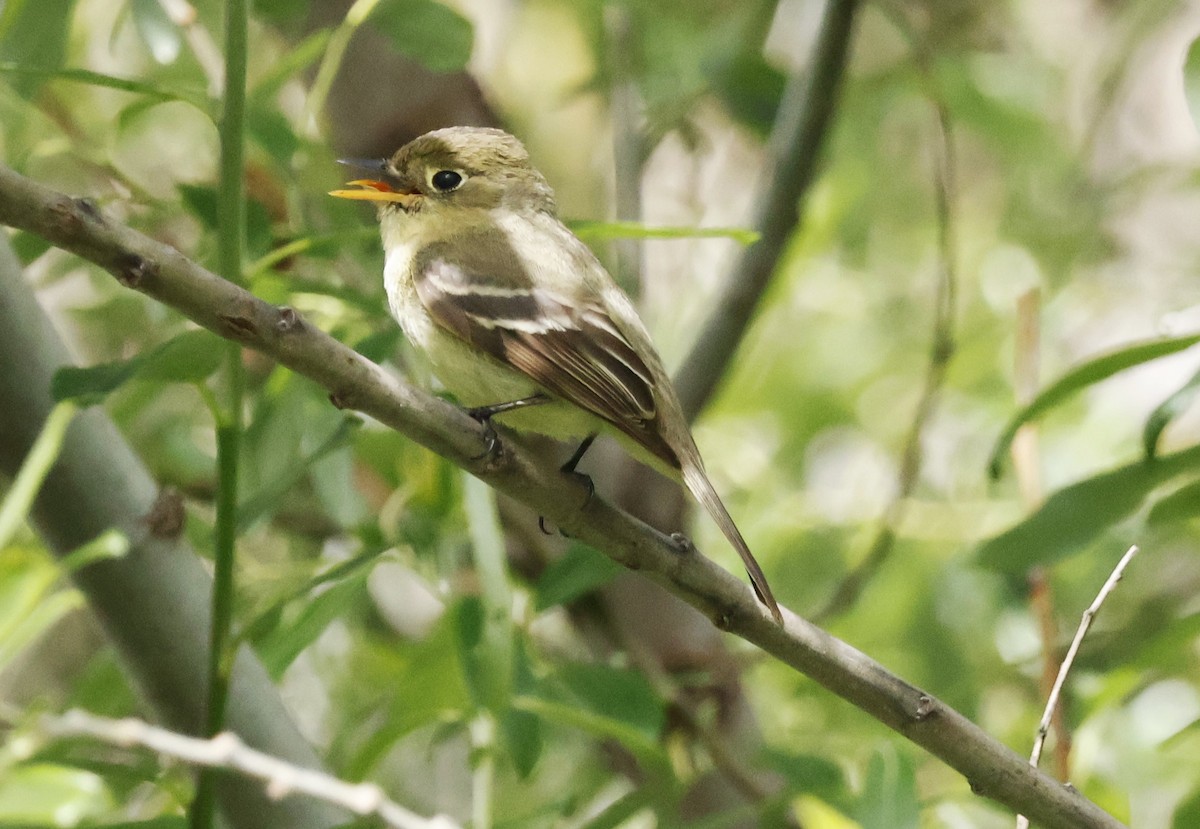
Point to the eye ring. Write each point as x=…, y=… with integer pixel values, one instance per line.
x=446, y=181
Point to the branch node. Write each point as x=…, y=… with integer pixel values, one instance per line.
x=166, y=516
x=87, y=208
x=340, y=400
x=683, y=544
x=288, y=320
x=926, y=707
x=239, y=327
x=133, y=269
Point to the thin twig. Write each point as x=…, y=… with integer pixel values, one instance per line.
x=940, y=354
x=1084, y=624
x=227, y=751
x=794, y=152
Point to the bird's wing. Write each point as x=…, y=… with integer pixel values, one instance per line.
x=570, y=347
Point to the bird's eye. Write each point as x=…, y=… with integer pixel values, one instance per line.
x=447, y=180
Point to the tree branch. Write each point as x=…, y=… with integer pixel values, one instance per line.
x=795, y=148
x=163, y=273
x=226, y=751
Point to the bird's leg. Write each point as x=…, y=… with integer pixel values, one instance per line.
x=484, y=415
x=568, y=468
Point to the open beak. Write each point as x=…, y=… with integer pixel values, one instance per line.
x=375, y=190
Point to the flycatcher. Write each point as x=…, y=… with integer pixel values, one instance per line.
x=518, y=318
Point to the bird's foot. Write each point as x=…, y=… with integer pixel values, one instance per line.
x=568, y=468
x=492, y=449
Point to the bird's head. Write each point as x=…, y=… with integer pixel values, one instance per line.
x=453, y=169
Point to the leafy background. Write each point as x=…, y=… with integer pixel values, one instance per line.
x=370, y=575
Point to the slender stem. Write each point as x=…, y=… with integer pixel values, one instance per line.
x=1085, y=623
x=805, y=114
x=231, y=214
x=17, y=503
x=940, y=353
x=483, y=778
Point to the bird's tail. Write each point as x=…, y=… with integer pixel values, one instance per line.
x=697, y=482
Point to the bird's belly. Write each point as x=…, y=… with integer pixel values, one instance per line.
x=477, y=379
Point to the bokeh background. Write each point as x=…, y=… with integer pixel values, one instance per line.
x=1006, y=192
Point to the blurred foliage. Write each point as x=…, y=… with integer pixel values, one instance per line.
x=369, y=579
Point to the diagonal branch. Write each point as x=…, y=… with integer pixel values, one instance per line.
x=163, y=273
x=795, y=148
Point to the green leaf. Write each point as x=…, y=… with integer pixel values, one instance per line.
x=580, y=571
x=27, y=246
x=188, y=357
x=617, y=694
x=750, y=88
x=153, y=93
x=160, y=35
x=603, y=231
x=33, y=36
x=281, y=647
x=889, y=798
x=813, y=775
x=646, y=749
x=1181, y=505
x=1167, y=411
x=430, y=33
x=623, y=808
x=1187, y=815
x=1087, y=374
x=41, y=793
x=185, y=358
x=1077, y=514
x=523, y=737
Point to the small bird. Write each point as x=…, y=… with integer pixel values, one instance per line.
x=517, y=317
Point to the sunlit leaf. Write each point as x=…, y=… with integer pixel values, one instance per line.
x=429, y=32
x=1080, y=377
x=161, y=36
x=38, y=793
x=1076, y=515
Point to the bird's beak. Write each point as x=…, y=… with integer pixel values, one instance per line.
x=376, y=190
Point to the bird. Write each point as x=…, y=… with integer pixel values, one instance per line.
x=517, y=317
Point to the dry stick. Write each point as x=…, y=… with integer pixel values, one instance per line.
x=227, y=751
x=161, y=272
x=940, y=354
x=1084, y=624
x=795, y=148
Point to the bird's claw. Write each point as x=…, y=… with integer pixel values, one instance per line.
x=491, y=441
